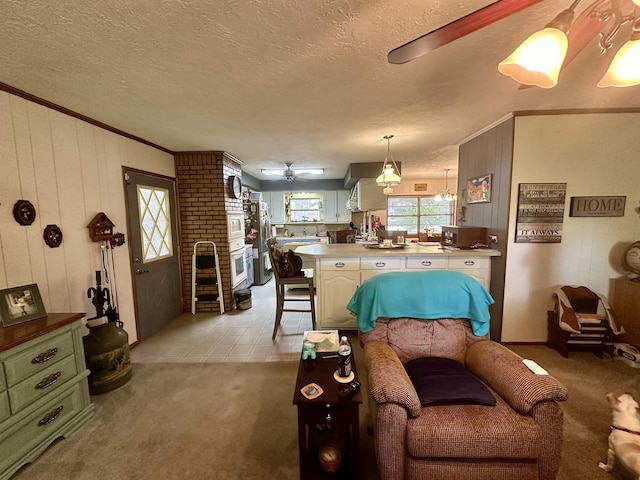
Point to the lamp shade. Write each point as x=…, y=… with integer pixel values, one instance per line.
x=388, y=177
x=624, y=70
x=537, y=61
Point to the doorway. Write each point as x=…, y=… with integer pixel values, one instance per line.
x=154, y=250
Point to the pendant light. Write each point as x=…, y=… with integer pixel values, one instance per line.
x=445, y=194
x=390, y=174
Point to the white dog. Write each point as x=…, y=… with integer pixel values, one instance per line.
x=624, y=439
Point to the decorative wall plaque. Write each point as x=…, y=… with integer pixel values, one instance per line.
x=24, y=212
x=52, y=236
x=540, y=212
x=597, y=206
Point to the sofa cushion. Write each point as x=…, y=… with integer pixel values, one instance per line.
x=442, y=380
x=473, y=431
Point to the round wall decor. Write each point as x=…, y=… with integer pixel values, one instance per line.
x=24, y=212
x=52, y=236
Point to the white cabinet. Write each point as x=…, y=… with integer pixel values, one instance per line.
x=335, y=206
x=343, y=213
x=276, y=207
x=371, y=266
x=338, y=280
x=427, y=263
x=478, y=268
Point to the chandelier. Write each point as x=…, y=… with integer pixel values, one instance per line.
x=390, y=176
x=538, y=60
x=445, y=194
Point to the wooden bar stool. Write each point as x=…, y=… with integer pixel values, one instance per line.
x=277, y=257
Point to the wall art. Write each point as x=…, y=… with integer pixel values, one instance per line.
x=21, y=304
x=24, y=212
x=597, y=206
x=540, y=212
x=52, y=236
x=479, y=189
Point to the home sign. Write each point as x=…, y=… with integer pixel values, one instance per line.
x=597, y=206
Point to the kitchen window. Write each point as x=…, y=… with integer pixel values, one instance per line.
x=304, y=207
x=418, y=214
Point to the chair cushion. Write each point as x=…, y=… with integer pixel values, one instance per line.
x=473, y=431
x=442, y=380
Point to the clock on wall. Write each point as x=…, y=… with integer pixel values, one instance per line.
x=236, y=186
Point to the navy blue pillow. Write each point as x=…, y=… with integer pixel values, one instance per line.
x=442, y=380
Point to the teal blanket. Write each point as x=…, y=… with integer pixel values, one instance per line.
x=430, y=295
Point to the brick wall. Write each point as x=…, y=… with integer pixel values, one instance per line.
x=204, y=196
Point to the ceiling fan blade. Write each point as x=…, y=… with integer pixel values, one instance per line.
x=457, y=29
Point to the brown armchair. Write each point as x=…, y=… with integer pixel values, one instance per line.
x=520, y=437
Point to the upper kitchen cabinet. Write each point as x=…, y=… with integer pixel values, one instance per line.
x=335, y=206
x=366, y=196
x=277, y=207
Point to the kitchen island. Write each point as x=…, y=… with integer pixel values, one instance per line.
x=341, y=268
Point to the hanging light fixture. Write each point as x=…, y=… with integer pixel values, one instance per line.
x=445, y=194
x=538, y=60
x=390, y=176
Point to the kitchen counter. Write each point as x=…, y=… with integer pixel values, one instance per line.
x=358, y=250
x=341, y=268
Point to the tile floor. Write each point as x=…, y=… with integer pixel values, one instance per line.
x=235, y=336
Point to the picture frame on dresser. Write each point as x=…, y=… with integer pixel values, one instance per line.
x=21, y=304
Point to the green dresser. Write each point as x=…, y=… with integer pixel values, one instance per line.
x=44, y=391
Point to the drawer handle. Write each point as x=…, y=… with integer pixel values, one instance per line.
x=469, y=262
x=48, y=381
x=328, y=418
x=426, y=263
x=45, y=356
x=380, y=264
x=50, y=417
x=339, y=264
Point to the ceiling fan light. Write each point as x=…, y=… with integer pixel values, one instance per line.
x=537, y=61
x=624, y=70
x=637, y=2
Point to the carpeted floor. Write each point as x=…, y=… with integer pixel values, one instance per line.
x=236, y=420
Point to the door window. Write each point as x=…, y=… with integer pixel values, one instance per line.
x=155, y=226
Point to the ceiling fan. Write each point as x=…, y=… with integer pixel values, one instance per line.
x=582, y=31
x=290, y=174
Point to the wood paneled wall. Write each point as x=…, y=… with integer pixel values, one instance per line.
x=69, y=170
x=490, y=152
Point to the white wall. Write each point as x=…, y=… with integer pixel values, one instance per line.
x=595, y=154
x=69, y=170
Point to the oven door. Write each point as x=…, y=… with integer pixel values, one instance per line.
x=238, y=267
x=235, y=225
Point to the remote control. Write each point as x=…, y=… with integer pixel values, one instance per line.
x=348, y=389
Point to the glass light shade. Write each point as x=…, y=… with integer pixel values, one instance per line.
x=637, y=2
x=387, y=190
x=438, y=198
x=388, y=177
x=538, y=60
x=624, y=70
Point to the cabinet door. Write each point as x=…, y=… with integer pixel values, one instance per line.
x=337, y=289
x=330, y=206
x=344, y=214
x=277, y=207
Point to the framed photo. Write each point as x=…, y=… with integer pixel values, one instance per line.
x=479, y=189
x=21, y=304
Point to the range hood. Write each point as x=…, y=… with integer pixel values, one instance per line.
x=366, y=196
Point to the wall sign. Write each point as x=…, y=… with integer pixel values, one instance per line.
x=540, y=212
x=597, y=206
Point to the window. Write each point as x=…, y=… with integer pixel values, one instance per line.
x=418, y=214
x=155, y=226
x=304, y=207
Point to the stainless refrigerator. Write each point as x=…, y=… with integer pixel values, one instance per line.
x=259, y=231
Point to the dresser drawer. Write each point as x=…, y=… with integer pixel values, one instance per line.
x=35, y=357
x=426, y=263
x=43, y=425
x=461, y=263
x=382, y=263
x=333, y=264
x=37, y=386
x=4, y=406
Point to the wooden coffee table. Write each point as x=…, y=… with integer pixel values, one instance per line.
x=327, y=419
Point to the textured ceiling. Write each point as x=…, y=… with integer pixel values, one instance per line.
x=302, y=81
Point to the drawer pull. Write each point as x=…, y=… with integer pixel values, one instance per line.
x=339, y=264
x=426, y=263
x=469, y=262
x=380, y=264
x=45, y=356
x=48, y=381
x=50, y=417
